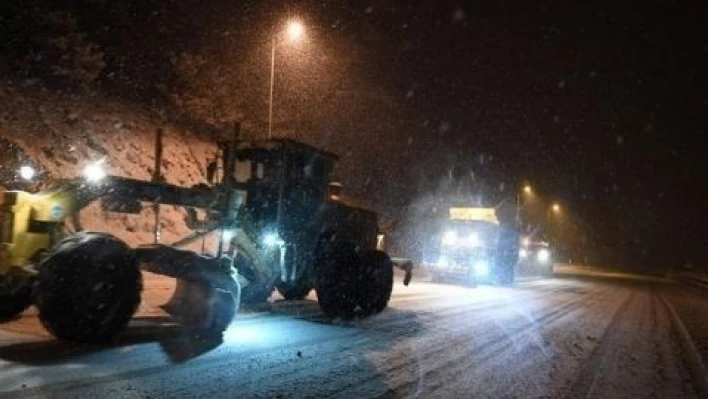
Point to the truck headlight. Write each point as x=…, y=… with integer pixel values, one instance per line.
x=95, y=172
x=481, y=268
x=473, y=240
x=523, y=253
x=449, y=238
x=543, y=255
x=443, y=261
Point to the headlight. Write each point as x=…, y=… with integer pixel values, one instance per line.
x=443, y=261
x=449, y=238
x=473, y=240
x=481, y=268
x=272, y=239
x=95, y=172
x=227, y=235
x=543, y=255
x=523, y=253
x=27, y=172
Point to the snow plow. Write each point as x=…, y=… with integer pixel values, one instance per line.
x=472, y=246
x=267, y=200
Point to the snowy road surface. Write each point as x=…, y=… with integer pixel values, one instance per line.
x=570, y=336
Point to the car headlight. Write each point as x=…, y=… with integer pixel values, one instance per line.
x=449, y=238
x=523, y=253
x=481, y=268
x=543, y=255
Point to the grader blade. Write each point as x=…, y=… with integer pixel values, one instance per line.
x=199, y=306
x=207, y=292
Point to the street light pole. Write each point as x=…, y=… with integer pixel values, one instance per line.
x=272, y=83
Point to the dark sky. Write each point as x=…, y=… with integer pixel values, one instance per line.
x=601, y=104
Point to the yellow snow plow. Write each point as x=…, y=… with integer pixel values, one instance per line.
x=278, y=229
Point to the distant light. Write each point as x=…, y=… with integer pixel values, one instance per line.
x=523, y=253
x=449, y=238
x=95, y=172
x=27, y=172
x=526, y=242
x=527, y=189
x=295, y=30
x=481, y=268
x=443, y=261
x=556, y=208
x=473, y=240
x=543, y=255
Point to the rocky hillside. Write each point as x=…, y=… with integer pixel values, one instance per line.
x=61, y=133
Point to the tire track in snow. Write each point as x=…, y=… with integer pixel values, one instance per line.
x=691, y=354
x=483, y=351
x=585, y=380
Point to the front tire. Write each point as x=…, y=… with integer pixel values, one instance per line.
x=15, y=296
x=88, y=288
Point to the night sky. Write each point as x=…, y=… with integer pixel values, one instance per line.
x=600, y=105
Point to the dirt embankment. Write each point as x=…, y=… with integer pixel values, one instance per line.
x=62, y=133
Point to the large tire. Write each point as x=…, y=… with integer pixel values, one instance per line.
x=15, y=296
x=294, y=291
x=350, y=286
x=377, y=270
x=336, y=280
x=88, y=288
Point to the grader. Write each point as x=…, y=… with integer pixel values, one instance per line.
x=267, y=200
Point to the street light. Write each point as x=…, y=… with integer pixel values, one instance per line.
x=295, y=30
x=554, y=209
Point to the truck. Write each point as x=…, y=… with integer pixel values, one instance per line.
x=269, y=203
x=473, y=247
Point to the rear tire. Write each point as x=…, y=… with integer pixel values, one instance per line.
x=15, y=296
x=337, y=279
x=350, y=286
x=88, y=288
x=377, y=270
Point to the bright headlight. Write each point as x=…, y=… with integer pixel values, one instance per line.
x=27, y=172
x=272, y=239
x=443, y=261
x=481, y=268
x=473, y=240
x=228, y=235
x=449, y=238
x=543, y=255
x=95, y=172
x=523, y=253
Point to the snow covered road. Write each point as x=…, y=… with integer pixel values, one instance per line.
x=573, y=336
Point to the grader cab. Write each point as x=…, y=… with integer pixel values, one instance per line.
x=267, y=200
